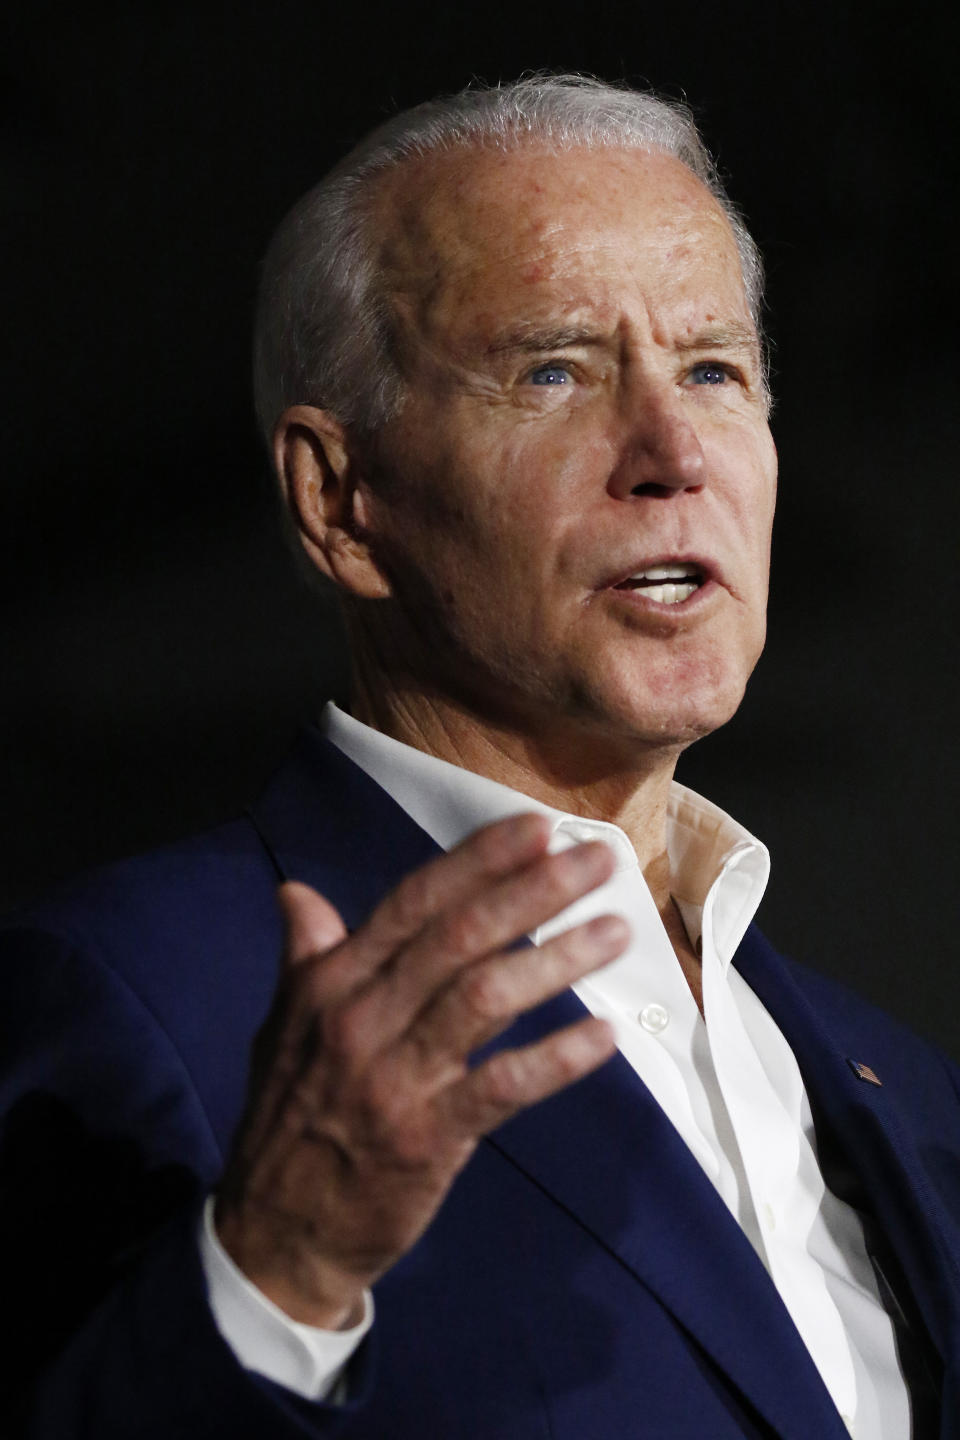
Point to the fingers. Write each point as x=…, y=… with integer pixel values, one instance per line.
x=514, y=1079
x=284, y=1043
x=325, y=968
x=362, y=1108
x=311, y=924
x=487, y=996
x=429, y=977
x=486, y=921
x=451, y=879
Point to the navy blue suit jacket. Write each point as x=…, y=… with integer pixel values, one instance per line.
x=583, y=1281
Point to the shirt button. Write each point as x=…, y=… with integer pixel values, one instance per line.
x=848, y=1421
x=654, y=1018
x=769, y=1217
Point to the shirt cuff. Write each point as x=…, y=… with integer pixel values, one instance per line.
x=308, y=1361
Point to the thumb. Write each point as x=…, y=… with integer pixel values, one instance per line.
x=311, y=923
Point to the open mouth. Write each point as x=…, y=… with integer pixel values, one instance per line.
x=666, y=584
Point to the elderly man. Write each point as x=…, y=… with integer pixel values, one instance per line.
x=639, y=1178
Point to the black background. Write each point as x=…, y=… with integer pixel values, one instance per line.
x=159, y=652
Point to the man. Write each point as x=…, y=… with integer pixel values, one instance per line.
x=509, y=368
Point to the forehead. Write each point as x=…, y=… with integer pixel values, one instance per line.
x=470, y=233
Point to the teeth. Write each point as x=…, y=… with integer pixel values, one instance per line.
x=667, y=572
x=669, y=594
x=665, y=584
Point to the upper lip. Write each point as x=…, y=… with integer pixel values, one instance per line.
x=705, y=569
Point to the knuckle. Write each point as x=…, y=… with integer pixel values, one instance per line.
x=562, y=877
x=566, y=1065
x=410, y=903
x=485, y=992
x=504, y=1081
x=487, y=845
x=465, y=931
x=396, y=1126
x=379, y=1101
x=413, y=1147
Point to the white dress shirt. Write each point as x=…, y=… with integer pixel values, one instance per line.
x=727, y=1081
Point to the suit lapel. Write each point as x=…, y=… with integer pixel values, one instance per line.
x=605, y=1151
x=327, y=823
x=873, y=1137
x=603, y=1148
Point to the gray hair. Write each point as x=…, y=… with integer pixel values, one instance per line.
x=323, y=327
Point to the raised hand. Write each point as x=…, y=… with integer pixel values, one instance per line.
x=362, y=1106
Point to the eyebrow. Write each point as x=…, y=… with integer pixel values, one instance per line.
x=722, y=337
x=535, y=337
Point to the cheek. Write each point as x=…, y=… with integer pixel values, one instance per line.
x=749, y=485
x=494, y=525
x=523, y=495
x=550, y=479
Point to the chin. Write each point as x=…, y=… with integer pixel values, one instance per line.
x=674, y=715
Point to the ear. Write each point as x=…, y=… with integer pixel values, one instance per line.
x=321, y=479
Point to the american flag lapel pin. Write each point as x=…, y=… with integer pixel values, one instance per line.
x=864, y=1072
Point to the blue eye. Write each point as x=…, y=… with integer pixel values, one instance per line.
x=550, y=375
x=709, y=372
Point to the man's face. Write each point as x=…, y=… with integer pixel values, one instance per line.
x=574, y=504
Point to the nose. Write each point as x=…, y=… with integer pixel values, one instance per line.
x=661, y=451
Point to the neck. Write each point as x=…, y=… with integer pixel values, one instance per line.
x=573, y=767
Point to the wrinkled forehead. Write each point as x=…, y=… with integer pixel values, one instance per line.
x=457, y=225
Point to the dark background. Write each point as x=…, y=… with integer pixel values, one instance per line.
x=159, y=652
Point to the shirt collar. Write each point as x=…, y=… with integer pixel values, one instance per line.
x=719, y=869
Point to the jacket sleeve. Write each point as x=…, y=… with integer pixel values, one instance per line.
x=105, y=1156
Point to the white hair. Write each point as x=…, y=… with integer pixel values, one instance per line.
x=323, y=333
